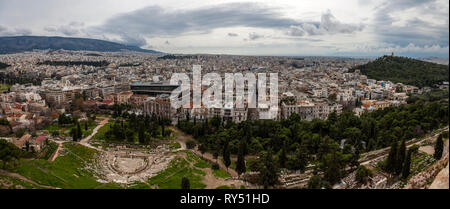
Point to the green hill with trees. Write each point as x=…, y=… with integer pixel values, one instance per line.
x=405, y=70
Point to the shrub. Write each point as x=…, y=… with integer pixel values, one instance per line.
x=253, y=164
x=445, y=134
x=190, y=144
x=215, y=166
x=414, y=148
x=362, y=174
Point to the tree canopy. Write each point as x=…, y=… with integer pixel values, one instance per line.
x=405, y=70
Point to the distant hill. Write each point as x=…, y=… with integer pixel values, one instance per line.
x=18, y=44
x=437, y=60
x=405, y=70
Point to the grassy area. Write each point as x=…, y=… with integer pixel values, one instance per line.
x=419, y=162
x=221, y=174
x=171, y=177
x=175, y=145
x=202, y=164
x=51, y=148
x=138, y=185
x=65, y=129
x=225, y=187
x=7, y=182
x=100, y=136
x=4, y=87
x=102, y=115
x=67, y=171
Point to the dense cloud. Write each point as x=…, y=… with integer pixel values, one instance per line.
x=328, y=25
x=155, y=21
x=254, y=36
x=401, y=25
x=393, y=28
x=5, y=31
x=133, y=40
x=71, y=29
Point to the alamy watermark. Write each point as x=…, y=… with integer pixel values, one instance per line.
x=259, y=94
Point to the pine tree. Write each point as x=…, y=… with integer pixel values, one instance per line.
x=240, y=164
x=438, y=148
x=392, y=158
x=354, y=159
x=400, y=157
x=301, y=155
x=268, y=172
x=407, y=165
x=185, y=184
x=283, y=158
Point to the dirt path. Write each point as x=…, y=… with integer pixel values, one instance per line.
x=85, y=141
x=18, y=176
x=183, y=138
x=213, y=182
x=56, y=153
x=101, y=124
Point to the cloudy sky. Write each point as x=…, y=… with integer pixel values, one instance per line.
x=276, y=27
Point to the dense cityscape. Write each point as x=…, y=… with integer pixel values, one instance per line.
x=48, y=95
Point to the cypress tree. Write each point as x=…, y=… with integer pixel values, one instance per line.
x=392, y=158
x=283, y=157
x=226, y=155
x=240, y=164
x=407, y=165
x=438, y=148
x=301, y=155
x=74, y=134
x=185, y=184
x=79, y=132
x=400, y=157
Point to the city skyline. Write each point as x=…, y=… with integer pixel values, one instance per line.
x=288, y=28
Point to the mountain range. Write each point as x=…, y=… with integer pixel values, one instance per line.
x=17, y=44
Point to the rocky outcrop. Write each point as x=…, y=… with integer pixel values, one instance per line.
x=424, y=178
x=441, y=180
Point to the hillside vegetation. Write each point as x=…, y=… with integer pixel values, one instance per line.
x=19, y=44
x=3, y=65
x=405, y=70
